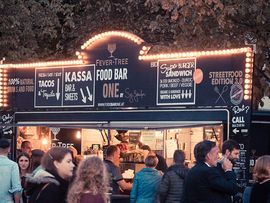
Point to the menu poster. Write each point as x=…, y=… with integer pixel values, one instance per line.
x=149, y=138
x=6, y=124
x=171, y=146
x=48, y=86
x=134, y=137
x=175, y=84
x=65, y=87
x=7, y=131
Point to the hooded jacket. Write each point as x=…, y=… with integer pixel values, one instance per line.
x=44, y=187
x=172, y=184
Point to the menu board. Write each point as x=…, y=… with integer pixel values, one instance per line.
x=175, y=85
x=65, y=87
x=8, y=131
x=7, y=119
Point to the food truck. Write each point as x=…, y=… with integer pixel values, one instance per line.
x=165, y=100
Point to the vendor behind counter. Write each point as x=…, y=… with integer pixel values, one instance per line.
x=112, y=163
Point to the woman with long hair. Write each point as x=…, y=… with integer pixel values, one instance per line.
x=260, y=192
x=50, y=184
x=91, y=182
x=24, y=162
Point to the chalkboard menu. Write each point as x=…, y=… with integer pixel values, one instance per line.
x=7, y=119
x=7, y=130
x=65, y=87
x=175, y=82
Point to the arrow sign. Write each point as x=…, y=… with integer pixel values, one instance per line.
x=235, y=131
x=9, y=132
x=57, y=92
x=83, y=97
x=90, y=96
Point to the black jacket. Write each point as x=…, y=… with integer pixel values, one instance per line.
x=204, y=184
x=227, y=197
x=162, y=165
x=172, y=184
x=44, y=187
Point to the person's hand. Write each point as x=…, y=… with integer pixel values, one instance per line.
x=227, y=165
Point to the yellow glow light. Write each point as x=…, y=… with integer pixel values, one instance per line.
x=247, y=86
x=197, y=54
x=78, y=135
x=249, y=60
x=44, y=141
x=246, y=97
x=43, y=64
x=248, y=65
x=247, y=70
x=247, y=76
x=247, y=81
x=246, y=91
x=127, y=35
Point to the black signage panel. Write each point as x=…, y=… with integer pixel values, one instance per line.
x=20, y=88
x=223, y=80
x=65, y=87
x=121, y=79
x=66, y=138
x=175, y=85
x=78, y=86
x=7, y=131
x=48, y=86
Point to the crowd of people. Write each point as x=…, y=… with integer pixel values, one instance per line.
x=56, y=177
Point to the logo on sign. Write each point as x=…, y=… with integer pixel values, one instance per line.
x=236, y=94
x=111, y=48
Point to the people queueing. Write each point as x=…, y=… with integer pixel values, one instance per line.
x=51, y=183
x=230, y=151
x=162, y=165
x=203, y=183
x=146, y=183
x=26, y=147
x=260, y=192
x=24, y=162
x=112, y=163
x=10, y=186
x=172, y=184
x=91, y=182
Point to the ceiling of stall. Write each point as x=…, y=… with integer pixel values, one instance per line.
x=134, y=125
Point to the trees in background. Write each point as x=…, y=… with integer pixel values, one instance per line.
x=33, y=30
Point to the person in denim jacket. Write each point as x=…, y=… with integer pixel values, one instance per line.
x=146, y=182
x=10, y=187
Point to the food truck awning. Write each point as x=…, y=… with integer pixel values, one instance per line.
x=125, y=119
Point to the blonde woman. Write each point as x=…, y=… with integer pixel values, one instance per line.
x=91, y=182
x=261, y=190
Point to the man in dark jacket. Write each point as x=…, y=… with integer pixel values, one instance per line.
x=203, y=183
x=172, y=184
x=230, y=150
